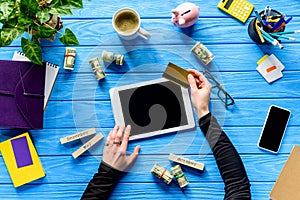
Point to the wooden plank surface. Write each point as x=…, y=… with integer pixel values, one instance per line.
x=79, y=102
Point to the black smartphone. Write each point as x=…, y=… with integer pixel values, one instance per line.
x=274, y=128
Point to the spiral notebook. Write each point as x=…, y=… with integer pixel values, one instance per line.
x=51, y=74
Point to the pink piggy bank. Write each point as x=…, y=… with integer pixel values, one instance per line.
x=185, y=15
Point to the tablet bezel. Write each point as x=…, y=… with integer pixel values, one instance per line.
x=118, y=111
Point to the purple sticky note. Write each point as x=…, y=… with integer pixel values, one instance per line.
x=21, y=151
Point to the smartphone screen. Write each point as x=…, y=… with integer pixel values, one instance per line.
x=274, y=128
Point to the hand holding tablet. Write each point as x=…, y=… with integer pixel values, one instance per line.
x=162, y=106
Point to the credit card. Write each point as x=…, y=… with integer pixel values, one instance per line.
x=176, y=74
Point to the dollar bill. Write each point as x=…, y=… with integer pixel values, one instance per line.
x=202, y=53
x=69, y=60
x=110, y=57
x=161, y=173
x=97, y=69
x=180, y=177
x=107, y=56
x=119, y=59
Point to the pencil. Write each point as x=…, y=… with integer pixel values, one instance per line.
x=270, y=39
x=288, y=32
x=282, y=36
x=259, y=32
x=280, y=27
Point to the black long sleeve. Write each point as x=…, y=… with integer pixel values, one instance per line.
x=230, y=164
x=102, y=184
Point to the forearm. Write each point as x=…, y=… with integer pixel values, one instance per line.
x=102, y=184
x=230, y=165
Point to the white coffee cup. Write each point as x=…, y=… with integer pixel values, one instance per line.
x=127, y=23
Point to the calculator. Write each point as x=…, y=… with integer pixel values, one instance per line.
x=239, y=9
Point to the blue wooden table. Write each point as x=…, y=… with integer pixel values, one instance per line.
x=79, y=102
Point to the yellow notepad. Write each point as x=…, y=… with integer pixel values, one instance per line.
x=21, y=159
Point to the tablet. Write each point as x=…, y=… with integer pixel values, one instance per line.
x=152, y=108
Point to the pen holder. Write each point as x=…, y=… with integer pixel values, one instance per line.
x=253, y=32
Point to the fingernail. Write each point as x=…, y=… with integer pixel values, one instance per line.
x=128, y=126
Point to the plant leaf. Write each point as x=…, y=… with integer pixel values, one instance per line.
x=6, y=9
x=60, y=11
x=11, y=23
x=29, y=7
x=66, y=4
x=12, y=18
x=69, y=38
x=32, y=50
x=43, y=16
x=8, y=35
x=44, y=32
x=24, y=21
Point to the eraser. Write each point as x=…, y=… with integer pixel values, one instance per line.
x=87, y=145
x=78, y=135
x=186, y=162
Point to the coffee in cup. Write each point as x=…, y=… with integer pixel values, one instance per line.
x=126, y=23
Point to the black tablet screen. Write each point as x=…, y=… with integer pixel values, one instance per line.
x=153, y=107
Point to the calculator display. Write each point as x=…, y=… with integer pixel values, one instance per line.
x=227, y=5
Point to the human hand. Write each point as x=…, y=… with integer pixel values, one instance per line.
x=200, y=92
x=114, y=153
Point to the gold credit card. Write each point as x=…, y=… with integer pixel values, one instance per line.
x=176, y=74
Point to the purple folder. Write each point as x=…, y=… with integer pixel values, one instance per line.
x=22, y=86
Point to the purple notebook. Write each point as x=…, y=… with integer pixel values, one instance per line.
x=22, y=86
x=21, y=151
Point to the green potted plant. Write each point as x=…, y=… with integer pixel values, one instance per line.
x=40, y=19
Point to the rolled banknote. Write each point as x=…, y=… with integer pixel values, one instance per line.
x=180, y=177
x=202, y=53
x=97, y=69
x=161, y=173
x=110, y=57
x=69, y=60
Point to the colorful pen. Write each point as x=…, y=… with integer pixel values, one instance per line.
x=267, y=12
x=280, y=27
x=288, y=20
x=282, y=36
x=275, y=17
x=258, y=31
x=288, y=32
x=267, y=24
x=278, y=24
x=257, y=15
x=270, y=39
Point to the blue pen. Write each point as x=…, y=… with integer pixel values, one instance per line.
x=265, y=22
x=277, y=24
x=257, y=16
x=288, y=20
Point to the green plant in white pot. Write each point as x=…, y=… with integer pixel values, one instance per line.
x=40, y=19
